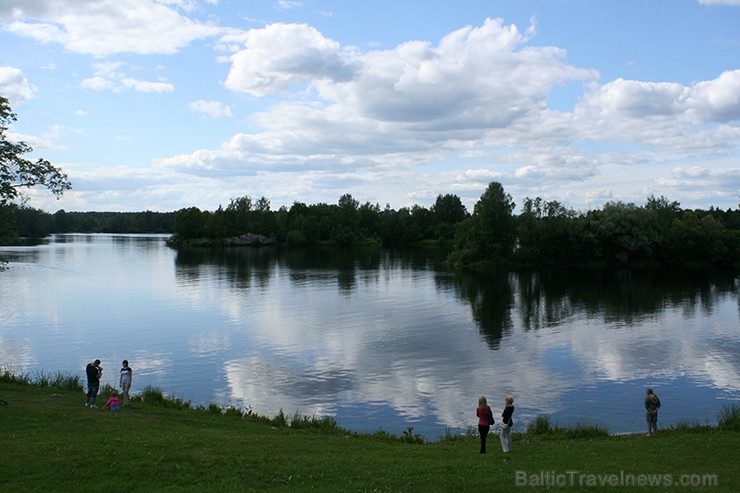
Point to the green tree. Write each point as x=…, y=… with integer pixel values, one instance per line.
x=495, y=222
x=17, y=173
x=489, y=235
x=625, y=232
x=61, y=221
x=369, y=220
x=190, y=223
x=447, y=211
x=546, y=233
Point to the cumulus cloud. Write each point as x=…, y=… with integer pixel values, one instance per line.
x=475, y=76
x=14, y=85
x=715, y=100
x=415, y=98
x=481, y=91
x=280, y=56
x=105, y=27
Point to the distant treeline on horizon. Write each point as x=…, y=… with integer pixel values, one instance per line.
x=544, y=233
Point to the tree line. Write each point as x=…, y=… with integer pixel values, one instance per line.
x=20, y=221
x=544, y=233
x=345, y=223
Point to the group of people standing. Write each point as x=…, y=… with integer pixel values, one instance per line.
x=94, y=373
x=485, y=421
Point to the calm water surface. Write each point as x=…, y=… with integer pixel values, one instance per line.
x=378, y=340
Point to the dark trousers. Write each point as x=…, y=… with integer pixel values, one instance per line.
x=483, y=430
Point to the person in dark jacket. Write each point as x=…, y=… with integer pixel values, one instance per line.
x=506, y=424
x=93, y=371
x=652, y=404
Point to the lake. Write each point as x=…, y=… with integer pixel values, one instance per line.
x=378, y=340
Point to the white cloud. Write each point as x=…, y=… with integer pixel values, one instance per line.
x=288, y=4
x=280, y=56
x=214, y=109
x=338, y=116
x=105, y=27
x=98, y=83
x=481, y=92
x=634, y=99
x=14, y=85
x=412, y=98
x=695, y=177
x=715, y=100
x=110, y=76
x=657, y=123
x=146, y=86
x=734, y=3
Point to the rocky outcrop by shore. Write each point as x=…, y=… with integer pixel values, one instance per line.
x=250, y=239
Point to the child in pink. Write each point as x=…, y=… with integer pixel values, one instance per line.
x=113, y=403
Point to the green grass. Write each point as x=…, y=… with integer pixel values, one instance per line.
x=50, y=442
x=541, y=429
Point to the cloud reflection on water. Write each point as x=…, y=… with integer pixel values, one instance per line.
x=607, y=335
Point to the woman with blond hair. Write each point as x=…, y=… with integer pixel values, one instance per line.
x=506, y=424
x=485, y=420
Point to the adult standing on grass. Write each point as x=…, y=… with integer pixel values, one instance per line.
x=485, y=420
x=506, y=424
x=94, y=372
x=652, y=404
x=127, y=375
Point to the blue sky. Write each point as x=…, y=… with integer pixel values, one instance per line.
x=165, y=104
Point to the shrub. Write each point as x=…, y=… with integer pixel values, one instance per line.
x=233, y=412
x=410, y=437
x=318, y=423
x=279, y=420
x=729, y=417
x=541, y=428
x=56, y=380
x=470, y=433
x=152, y=395
x=7, y=376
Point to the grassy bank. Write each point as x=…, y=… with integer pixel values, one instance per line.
x=51, y=442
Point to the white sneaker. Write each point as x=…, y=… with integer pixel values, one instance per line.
x=86, y=404
x=93, y=406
